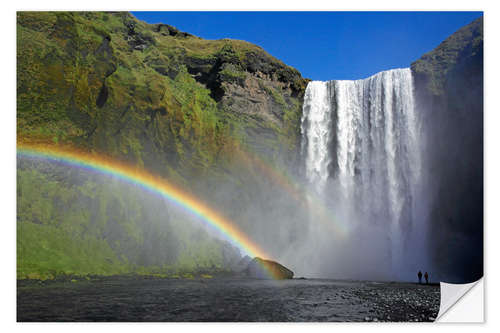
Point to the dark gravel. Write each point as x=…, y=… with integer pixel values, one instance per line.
x=224, y=299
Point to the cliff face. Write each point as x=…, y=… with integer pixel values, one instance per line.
x=195, y=111
x=150, y=93
x=449, y=89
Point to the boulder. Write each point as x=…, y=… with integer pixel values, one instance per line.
x=265, y=269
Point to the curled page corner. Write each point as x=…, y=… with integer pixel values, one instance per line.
x=461, y=302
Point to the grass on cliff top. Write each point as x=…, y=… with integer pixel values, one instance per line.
x=436, y=63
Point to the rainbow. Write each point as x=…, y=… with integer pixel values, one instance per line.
x=141, y=178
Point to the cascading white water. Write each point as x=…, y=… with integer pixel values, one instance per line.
x=316, y=120
x=361, y=150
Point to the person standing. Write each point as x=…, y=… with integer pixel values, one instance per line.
x=419, y=277
x=426, y=276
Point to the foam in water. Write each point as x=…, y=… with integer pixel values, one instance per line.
x=360, y=145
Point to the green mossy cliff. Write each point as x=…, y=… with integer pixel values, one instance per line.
x=78, y=224
x=150, y=93
x=177, y=105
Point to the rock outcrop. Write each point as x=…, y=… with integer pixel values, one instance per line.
x=266, y=269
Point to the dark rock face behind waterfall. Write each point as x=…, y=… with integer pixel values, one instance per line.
x=449, y=91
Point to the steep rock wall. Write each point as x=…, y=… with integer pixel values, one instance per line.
x=449, y=95
x=151, y=94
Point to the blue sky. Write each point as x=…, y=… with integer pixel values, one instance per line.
x=327, y=45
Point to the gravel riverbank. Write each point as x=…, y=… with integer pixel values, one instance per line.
x=225, y=299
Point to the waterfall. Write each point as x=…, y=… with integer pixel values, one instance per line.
x=316, y=120
x=360, y=145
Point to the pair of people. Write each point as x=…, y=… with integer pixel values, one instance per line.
x=426, y=276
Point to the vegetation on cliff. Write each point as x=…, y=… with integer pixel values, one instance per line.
x=463, y=48
x=177, y=105
x=73, y=223
x=148, y=93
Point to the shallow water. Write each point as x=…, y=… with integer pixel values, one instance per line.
x=225, y=299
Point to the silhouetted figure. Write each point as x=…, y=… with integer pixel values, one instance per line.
x=419, y=277
x=426, y=276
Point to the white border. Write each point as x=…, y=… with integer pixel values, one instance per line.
x=463, y=304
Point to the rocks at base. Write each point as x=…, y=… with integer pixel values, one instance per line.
x=265, y=269
x=261, y=269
